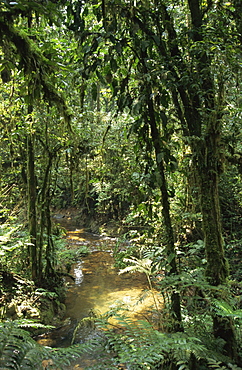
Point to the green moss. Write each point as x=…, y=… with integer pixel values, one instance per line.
x=51, y=311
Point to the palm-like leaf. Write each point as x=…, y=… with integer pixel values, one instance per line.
x=137, y=265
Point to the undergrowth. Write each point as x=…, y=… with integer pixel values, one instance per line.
x=19, y=351
x=134, y=346
x=120, y=346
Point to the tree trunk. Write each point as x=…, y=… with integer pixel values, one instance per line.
x=44, y=212
x=208, y=168
x=71, y=178
x=208, y=180
x=32, y=207
x=169, y=236
x=207, y=158
x=45, y=224
x=50, y=257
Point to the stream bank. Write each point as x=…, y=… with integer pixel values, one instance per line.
x=20, y=299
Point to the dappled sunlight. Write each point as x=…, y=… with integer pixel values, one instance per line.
x=99, y=289
x=102, y=289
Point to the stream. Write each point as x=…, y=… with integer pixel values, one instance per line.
x=97, y=287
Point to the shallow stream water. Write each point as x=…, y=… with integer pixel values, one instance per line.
x=97, y=287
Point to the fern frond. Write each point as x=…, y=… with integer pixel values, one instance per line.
x=27, y=323
x=224, y=309
x=138, y=265
x=19, y=351
x=139, y=346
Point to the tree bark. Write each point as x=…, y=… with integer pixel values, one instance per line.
x=45, y=218
x=31, y=182
x=169, y=235
x=208, y=180
x=217, y=270
x=50, y=257
x=207, y=156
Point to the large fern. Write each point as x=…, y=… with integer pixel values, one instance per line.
x=19, y=351
x=139, y=346
x=133, y=345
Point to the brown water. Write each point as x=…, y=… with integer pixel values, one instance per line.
x=98, y=287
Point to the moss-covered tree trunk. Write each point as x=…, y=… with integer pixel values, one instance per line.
x=175, y=311
x=208, y=180
x=32, y=217
x=200, y=112
x=45, y=220
x=208, y=168
x=50, y=250
x=207, y=159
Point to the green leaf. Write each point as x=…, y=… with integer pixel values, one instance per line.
x=224, y=309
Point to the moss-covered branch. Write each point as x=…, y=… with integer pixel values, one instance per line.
x=38, y=70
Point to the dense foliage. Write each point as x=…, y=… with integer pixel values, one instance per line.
x=128, y=111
